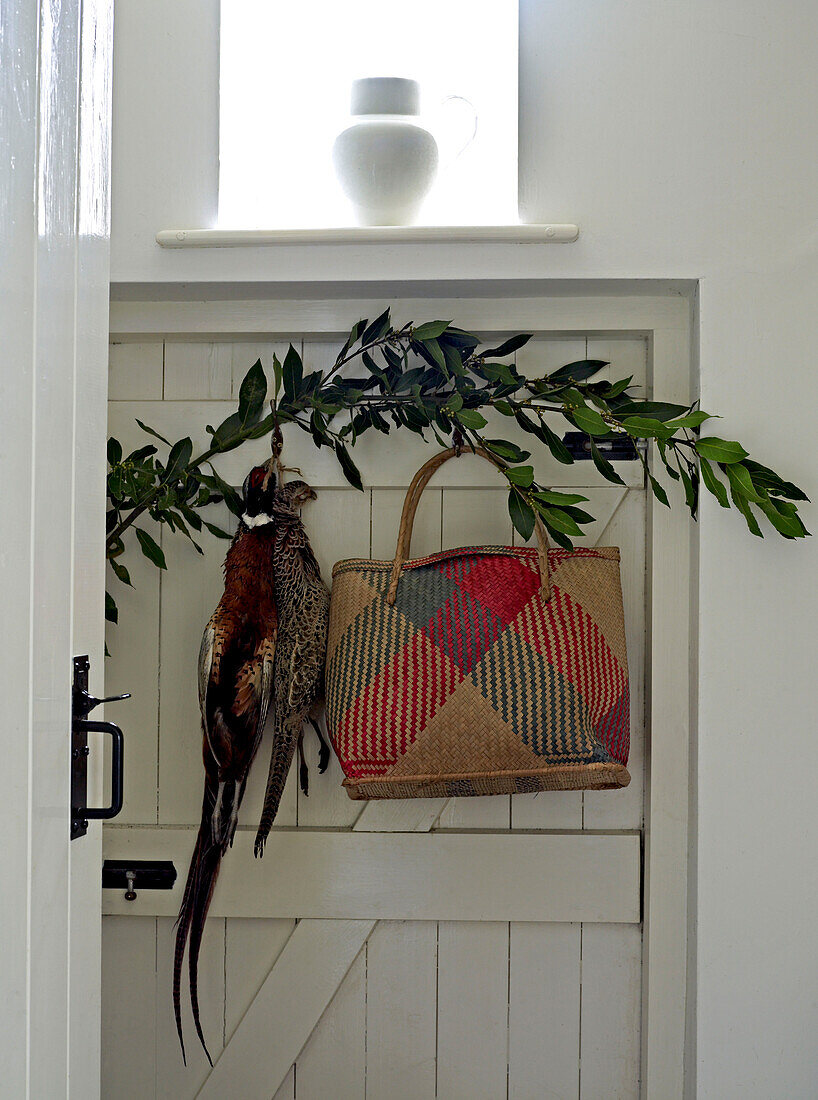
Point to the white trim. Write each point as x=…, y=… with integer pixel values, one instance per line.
x=278, y=317
x=560, y=877
x=367, y=234
x=665, y=318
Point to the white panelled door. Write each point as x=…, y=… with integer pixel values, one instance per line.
x=54, y=240
x=476, y=948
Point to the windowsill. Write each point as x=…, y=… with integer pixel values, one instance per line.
x=477, y=234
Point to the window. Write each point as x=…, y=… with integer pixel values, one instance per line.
x=286, y=73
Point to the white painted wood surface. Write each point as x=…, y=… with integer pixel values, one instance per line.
x=393, y=876
x=54, y=239
x=463, y=505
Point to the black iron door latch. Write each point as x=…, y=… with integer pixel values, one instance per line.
x=82, y=705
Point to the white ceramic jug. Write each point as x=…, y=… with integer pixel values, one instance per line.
x=386, y=161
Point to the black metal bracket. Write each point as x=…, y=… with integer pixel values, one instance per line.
x=619, y=448
x=147, y=874
x=82, y=705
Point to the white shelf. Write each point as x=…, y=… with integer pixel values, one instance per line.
x=442, y=234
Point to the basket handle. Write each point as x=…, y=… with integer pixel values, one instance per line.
x=407, y=519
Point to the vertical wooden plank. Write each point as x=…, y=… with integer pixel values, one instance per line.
x=251, y=946
x=623, y=809
x=173, y=1078
x=333, y=1063
x=626, y=355
x=135, y=371
x=128, y=999
x=671, y=637
x=401, y=1000
x=544, y=1012
x=251, y=949
x=476, y=517
x=387, y=505
x=243, y=355
x=611, y=1004
x=286, y=1091
x=133, y=666
x=544, y=354
x=198, y=371
x=472, y=1009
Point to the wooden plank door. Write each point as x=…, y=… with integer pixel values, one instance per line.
x=311, y=991
x=54, y=178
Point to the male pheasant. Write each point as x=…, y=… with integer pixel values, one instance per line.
x=236, y=665
x=303, y=610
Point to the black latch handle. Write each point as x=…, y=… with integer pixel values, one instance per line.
x=104, y=812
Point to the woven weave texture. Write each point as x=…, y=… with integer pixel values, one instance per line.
x=472, y=682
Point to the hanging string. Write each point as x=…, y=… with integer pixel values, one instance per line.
x=277, y=446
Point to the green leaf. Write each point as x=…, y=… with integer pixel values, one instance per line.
x=471, y=418
x=430, y=330
x=278, y=375
x=589, y=420
x=765, y=478
x=351, y=472
x=720, y=450
x=150, y=549
x=504, y=408
x=558, y=520
x=178, y=459
x=745, y=508
x=454, y=403
x=508, y=346
x=141, y=453
x=712, y=483
x=292, y=372
x=604, y=466
x=644, y=427
x=521, y=475
x=434, y=349
x=377, y=328
x=114, y=451
x=120, y=571
x=217, y=531
x=740, y=480
x=659, y=410
x=658, y=491
x=111, y=612
x=522, y=515
x=554, y=444
x=615, y=388
x=231, y=498
x=691, y=420
x=691, y=486
x=550, y=496
x=252, y=394
x=151, y=431
x=504, y=449
x=787, y=525
x=579, y=371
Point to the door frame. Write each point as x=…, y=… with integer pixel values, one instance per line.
x=55, y=102
x=666, y=317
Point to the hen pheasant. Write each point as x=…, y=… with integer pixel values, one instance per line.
x=303, y=609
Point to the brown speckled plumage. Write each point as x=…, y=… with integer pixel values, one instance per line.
x=303, y=608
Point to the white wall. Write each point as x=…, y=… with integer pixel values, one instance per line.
x=680, y=137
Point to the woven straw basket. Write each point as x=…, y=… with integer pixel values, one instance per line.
x=481, y=670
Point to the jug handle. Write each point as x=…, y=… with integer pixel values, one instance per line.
x=461, y=99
